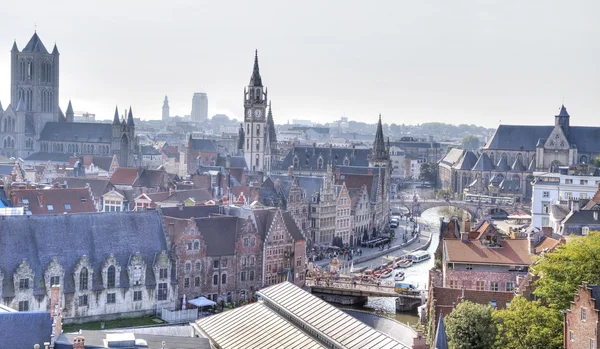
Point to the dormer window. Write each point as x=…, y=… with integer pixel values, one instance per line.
x=320, y=163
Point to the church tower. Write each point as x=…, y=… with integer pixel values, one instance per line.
x=34, y=79
x=165, y=110
x=256, y=133
x=123, y=142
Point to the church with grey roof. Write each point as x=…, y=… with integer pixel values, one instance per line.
x=33, y=122
x=508, y=160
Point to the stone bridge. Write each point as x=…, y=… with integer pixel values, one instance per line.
x=344, y=292
x=477, y=210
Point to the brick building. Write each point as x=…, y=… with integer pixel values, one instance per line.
x=582, y=322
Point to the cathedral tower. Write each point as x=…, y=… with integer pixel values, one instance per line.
x=34, y=79
x=256, y=133
x=123, y=139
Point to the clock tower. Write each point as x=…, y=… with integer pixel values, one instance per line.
x=255, y=123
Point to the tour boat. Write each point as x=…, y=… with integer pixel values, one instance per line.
x=405, y=263
x=420, y=256
x=386, y=273
x=399, y=276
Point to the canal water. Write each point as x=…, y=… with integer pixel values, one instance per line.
x=417, y=274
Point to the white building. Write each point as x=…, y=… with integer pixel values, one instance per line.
x=552, y=188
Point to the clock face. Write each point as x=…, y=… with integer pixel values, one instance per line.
x=258, y=113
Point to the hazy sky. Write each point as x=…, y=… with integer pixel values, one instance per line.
x=412, y=61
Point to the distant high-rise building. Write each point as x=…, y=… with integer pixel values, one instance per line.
x=200, y=106
x=165, y=110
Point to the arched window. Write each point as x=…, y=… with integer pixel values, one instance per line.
x=248, y=129
x=554, y=166
x=223, y=278
x=257, y=160
x=492, y=157
x=320, y=163
x=215, y=279
x=196, y=245
x=251, y=260
x=257, y=144
x=583, y=159
x=248, y=144
x=258, y=130
x=198, y=266
x=110, y=277
x=296, y=162
x=504, y=156
x=188, y=267
x=83, y=279
x=346, y=161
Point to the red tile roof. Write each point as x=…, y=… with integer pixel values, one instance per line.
x=54, y=201
x=124, y=176
x=511, y=252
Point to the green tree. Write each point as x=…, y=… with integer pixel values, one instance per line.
x=562, y=270
x=470, y=142
x=471, y=326
x=528, y=325
x=596, y=161
x=429, y=172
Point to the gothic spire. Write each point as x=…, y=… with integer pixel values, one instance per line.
x=55, y=50
x=14, y=48
x=271, y=126
x=379, y=152
x=130, y=118
x=116, y=118
x=255, y=79
x=241, y=137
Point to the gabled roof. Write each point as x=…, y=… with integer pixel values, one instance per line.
x=39, y=239
x=511, y=252
x=503, y=164
x=452, y=156
x=219, y=234
x=291, y=226
x=35, y=45
x=124, y=176
x=152, y=179
x=24, y=329
x=483, y=163
x=54, y=201
x=202, y=144
x=581, y=218
x=45, y=156
x=467, y=161
x=308, y=157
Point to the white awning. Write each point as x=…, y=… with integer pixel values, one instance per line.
x=201, y=302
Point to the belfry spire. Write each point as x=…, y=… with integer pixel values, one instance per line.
x=379, y=152
x=255, y=79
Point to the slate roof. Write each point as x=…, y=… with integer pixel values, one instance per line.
x=24, y=329
x=503, y=165
x=98, y=186
x=202, y=144
x=467, y=161
x=77, y=132
x=312, y=184
x=236, y=161
x=199, y=195
x=186, y=212
x=581, y=218
x=452, y=157
x=307, y=161
x=441, y=341
x=525, y=137
x=483, y=163
x=219, y=234
x=35, y=45
x=595, y=289
x=152, y=178
x=149, y=150
x=291, y=226
x=45, y=156
x=6, y=169
x=39, y=239
x=55, y=201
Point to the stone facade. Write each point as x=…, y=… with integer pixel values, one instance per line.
x=344, y=227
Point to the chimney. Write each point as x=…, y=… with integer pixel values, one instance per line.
x=78, y=342
x=467, y=225
x=55, y=311
x=464, y=236
x=532, y=241
x=228, y=161
x=353, y=150
x=291, y=171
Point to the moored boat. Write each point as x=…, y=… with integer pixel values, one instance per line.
x=405, y=263
x=399, y=276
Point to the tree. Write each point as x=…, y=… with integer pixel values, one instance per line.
x=471, y=326
x=445, y=194
x=429, y=172
x=470, y=142
x=528, y=325
x=562, y=270
x=596, y=161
